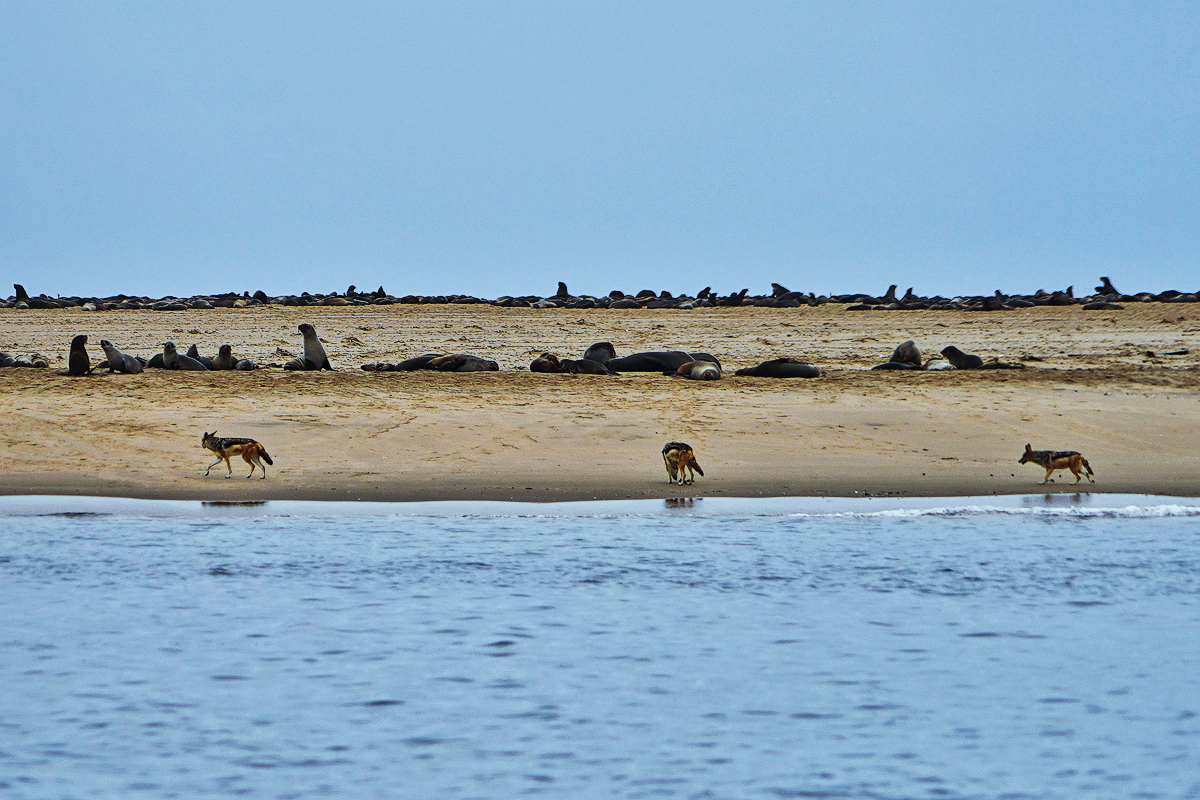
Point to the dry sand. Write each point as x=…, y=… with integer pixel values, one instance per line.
x=352, y=435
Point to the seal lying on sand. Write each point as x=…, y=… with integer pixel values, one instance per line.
x=314, y=357
x=698, y=371
x=781, y=368
x=172, y=359
x=463, y=362
x=962, y=360
x=78, y=362
x=655, y=361
x=548, y=362
x=905, y=356
x=118, y=361
x=454, y=362
x=194, y=352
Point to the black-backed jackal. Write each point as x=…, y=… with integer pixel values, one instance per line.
x=679, y=456
x=1051, y=460
x=225, y=447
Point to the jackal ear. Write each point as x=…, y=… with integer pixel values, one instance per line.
x=1028, y=447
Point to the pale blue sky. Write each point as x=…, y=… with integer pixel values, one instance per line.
x=498, y=148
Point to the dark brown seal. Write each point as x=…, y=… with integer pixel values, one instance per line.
x=781, y=368
x=78, y=362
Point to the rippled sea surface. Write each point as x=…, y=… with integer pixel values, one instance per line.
x=954, y=652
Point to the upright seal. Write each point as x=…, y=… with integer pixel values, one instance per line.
x=314, y=357
x=172, y=359
x=78, y=362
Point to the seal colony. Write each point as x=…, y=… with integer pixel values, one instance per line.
x=402, y=435
x=1105, y=297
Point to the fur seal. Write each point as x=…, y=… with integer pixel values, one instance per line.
x=452, y=362
x=905, y=356
x=227, y=360
x=938, y=363
x=698, y=371
x=781, y=368
x=224, y=359
x=118, y=361
x=78, y=362
x=314, y=357
x=194, y=352
x=961, y=360
x=463, y=362
x=412, y=364
x=172, y=359
x=548, y=362
x=655, y=361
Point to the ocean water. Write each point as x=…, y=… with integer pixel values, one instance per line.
x=1037, y=647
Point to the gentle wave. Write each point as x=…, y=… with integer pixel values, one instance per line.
x=1125, y=506
x=1115, y=512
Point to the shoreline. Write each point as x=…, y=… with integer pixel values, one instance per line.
x=240, y=490
x=1085, y=504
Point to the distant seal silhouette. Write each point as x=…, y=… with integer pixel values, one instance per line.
x=314, y=357
x=698, y=371
x=781, y=368
x=118, y=361
x=172, y=359
x=78, y=362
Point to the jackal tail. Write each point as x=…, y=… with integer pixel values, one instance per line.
x=262, y=451
x=695, y=465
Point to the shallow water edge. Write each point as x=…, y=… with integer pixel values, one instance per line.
x=1081, y=503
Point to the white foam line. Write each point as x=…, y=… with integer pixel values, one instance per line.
x=1066, y=505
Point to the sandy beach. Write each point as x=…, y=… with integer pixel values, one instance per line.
x=1088, y=385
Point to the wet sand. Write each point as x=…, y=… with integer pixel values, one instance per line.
x=351, y=434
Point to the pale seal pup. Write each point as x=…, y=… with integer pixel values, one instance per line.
x=314, y=357
x=698, y=371
x=118, y=361
x=172, y=359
